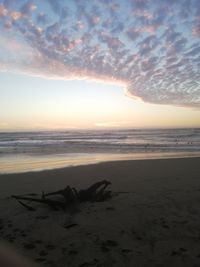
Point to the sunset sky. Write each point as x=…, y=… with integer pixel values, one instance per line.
x=96, y=64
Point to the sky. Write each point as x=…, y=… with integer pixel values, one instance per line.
x=99, y=63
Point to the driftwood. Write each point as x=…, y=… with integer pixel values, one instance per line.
x=26, y=206
x=70, y=197
x=54, y=204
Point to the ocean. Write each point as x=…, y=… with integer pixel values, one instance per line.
x=33, y=151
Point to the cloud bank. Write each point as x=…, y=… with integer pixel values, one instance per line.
x=152, y=47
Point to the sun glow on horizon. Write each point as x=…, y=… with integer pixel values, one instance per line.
x=31, y=103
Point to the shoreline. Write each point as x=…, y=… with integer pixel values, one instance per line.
x=85, y=174
x=63, y=162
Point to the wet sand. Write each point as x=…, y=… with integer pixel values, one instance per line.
x=154, y=220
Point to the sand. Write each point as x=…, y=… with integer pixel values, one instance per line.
x=153, y=221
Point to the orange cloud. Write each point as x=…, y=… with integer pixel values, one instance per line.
x=15, y=15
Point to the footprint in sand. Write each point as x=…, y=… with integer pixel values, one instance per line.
x=43, y=253
x=178, y=252
x=72, y=252
x=40, y=259
x=29, y=246
x=10, y=225
x=1, y=224
x=16, y=230
x=38, y=241
x=110, y=208
x=108, y=244
x=91, y=263
x=126, y=250
x=50, y=247
x=42, y=217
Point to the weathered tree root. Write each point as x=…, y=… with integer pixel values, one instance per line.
x=26, y=206
x=70, y=197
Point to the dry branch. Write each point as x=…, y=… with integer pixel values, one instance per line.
x=70, y=197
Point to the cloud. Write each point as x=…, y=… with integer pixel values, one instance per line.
x=133, y=33
x=196, y=27
x=27, y=8
x=141, y=45
x=15, y=15
x=140, y=4
x=143, y=13
x=3, y=11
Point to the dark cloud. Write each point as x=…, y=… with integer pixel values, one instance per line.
x=147, y=44
x=140, y=4
x=28, y=7
x=152, y=47
x=117, y=28
x=42, y=18
x=133, y=33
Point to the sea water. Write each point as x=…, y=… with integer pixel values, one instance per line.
x=31, y=151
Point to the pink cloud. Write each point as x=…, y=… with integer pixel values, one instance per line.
x=95, y=19
x=114, y=7
x=196, y=27
x=143, y=13
x=3, y=11
x=148, y=28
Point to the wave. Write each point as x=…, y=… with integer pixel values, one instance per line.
x=103, y=141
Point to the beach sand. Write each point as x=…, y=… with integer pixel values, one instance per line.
x=154, y=220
